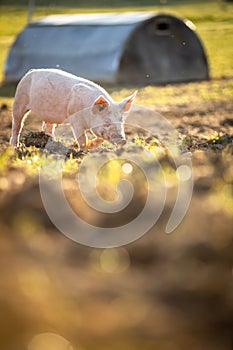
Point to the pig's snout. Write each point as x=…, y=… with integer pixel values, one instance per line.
x=118, y=140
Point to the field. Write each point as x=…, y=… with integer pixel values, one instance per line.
x=162, y=291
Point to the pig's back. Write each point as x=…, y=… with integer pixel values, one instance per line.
x=50, y=92
x=56, y=78
x=53, y=78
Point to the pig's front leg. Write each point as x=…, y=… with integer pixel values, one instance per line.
x=94, y=143
x=80, y=135
x=49, y=129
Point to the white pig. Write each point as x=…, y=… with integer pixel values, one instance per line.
x=58, y=97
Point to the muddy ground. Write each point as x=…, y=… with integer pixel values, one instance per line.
x=163, y=292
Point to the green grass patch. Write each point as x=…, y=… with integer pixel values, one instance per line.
x=213, y=19
x=171, y=94
x=180, y=94
x=216, y=37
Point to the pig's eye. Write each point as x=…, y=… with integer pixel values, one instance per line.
x=102, y=106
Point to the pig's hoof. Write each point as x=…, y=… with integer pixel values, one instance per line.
x=94, y=143
x=13, y=142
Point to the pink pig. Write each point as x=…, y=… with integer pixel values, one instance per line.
x=58, y=97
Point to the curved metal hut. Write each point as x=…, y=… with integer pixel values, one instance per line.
x=131, y=48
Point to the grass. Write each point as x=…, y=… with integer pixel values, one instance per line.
x=180, y=94
x=215, y=28
x=214, y=21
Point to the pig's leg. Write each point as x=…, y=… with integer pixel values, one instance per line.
x=49, y=129
x=94, y=143
x=19, y=114
x=80, y=135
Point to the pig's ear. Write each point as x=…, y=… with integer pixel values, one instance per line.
x=127, y=103
x=100, y=105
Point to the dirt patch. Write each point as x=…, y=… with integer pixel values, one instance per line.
x=45, y=143
x=202, y=121
x=199, y=123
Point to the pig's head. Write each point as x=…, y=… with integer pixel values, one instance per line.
x=108, y=118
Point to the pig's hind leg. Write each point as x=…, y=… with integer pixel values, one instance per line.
x=19, y=113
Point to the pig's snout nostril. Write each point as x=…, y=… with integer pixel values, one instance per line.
x=119, y=142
